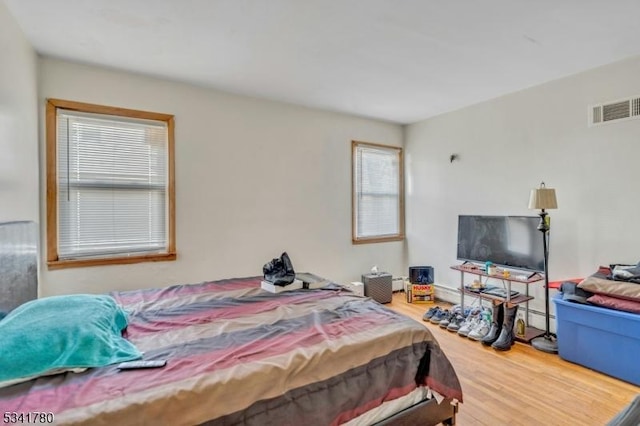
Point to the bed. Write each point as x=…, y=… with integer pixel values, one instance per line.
x=239, y=355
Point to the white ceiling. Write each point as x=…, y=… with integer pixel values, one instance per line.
x=396, y=60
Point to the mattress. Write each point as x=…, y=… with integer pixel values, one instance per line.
x=239, y=355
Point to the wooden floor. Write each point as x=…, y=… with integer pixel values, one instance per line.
x=523, y=386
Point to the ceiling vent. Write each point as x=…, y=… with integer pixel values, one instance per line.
x=615, y=111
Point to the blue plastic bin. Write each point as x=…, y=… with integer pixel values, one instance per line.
x=602, y=339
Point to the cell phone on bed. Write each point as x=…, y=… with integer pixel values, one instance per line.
x=134, y=365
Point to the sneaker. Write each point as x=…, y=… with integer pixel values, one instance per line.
x=480, y=330
x=455, y=323
x=486, y=314
x=475, y=311
x=427, y=315
x=468, y=325
x=437, y=317
x=446, y=319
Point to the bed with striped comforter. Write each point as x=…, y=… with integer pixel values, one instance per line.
x=239, y=355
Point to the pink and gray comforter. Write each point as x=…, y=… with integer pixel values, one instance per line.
x=239, y=355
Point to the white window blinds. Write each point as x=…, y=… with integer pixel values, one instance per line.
x=377, y=191
x=112, y=179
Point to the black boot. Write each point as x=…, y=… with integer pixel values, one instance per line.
x=506, y=338
x=496, y=325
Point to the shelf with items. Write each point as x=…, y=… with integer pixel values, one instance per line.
x=530, y=333
x=515, y=300
x=507, y=279
x=525, y=278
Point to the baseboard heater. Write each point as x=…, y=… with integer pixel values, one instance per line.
x=397, y=284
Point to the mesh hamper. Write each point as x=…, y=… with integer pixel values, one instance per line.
x=378, y=287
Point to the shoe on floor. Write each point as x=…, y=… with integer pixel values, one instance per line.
x=427, y=315
x=469, y=323
x=480, y=330
x=446, y=319
x=487, y=314
x=456, y=309
x=474, y=311
x=438, y=316
x=455, y=323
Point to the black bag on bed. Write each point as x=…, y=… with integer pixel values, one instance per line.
x=279, y=271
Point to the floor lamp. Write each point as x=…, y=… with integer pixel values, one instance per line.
x=542, y=199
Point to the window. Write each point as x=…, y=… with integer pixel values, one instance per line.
x=110, y=185
x=377, y=193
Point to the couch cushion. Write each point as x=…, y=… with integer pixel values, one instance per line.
x=620, y=289
x=615, y=303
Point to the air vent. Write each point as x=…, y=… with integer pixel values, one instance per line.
x=635, y=107
x=597, y=114
x=614, y=111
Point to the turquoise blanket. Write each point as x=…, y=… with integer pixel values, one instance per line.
x=61, y=333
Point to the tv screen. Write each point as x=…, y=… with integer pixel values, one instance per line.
x=508, y=241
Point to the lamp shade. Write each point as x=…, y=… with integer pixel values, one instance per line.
x=543, y=198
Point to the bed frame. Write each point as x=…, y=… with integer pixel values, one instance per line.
x=425, y=413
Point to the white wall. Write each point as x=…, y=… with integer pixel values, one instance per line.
x=507, y=146
x=18, y=124
x=253, y=178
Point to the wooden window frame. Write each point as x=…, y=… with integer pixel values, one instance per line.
x=53, y=260
x=377, y=239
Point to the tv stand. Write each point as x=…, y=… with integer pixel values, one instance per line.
x=470, y=268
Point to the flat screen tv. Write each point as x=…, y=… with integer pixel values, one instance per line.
x=508, y=241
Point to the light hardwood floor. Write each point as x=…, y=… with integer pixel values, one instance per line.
x=523, y=386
